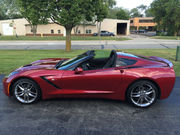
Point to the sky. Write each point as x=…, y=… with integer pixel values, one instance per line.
x=129, y=4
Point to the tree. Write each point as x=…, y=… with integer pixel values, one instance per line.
x=101, y=12
x=112, y=13
x=9, y=10
x=34, y=11
x=3, y=10
x=148, y=13
x=135, y=13
x=12, y=9
x=123, y=14
x=142, y=7
x=110, y=3
x=69, y=13
x=167, y=15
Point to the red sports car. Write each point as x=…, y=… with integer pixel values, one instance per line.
x=121, y=76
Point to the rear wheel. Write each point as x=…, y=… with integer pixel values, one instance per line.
x=26, y=91
x=142, y=94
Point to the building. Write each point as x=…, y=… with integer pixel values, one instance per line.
x=13, y=27
x=21, y=27
x=138, y=23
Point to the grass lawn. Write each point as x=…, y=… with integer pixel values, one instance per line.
x=61, y=38
x=167, y=37
x=12, y=59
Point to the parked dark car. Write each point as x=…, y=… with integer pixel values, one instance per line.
x=104, y=33
x=142, y=31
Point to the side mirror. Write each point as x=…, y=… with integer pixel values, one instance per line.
x=78, y=70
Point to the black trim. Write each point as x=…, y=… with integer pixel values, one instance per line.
x=44, y=78
x=133, y=67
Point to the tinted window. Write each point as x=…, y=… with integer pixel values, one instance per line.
x=124, y=62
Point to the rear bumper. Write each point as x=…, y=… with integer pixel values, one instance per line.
x=167, y=84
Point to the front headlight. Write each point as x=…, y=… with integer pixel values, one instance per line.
x=13, y=73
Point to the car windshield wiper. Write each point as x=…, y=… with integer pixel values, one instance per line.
x=59, y=63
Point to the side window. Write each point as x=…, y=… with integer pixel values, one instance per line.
x=124, y=62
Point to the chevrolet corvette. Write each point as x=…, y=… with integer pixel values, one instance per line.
x=137, y=79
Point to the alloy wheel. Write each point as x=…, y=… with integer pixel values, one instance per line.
x=25, y=92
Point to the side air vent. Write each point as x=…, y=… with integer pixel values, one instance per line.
x=51, y=83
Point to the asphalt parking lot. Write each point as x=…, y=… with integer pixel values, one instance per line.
x=89, y=117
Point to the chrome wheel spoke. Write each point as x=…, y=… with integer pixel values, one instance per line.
x=30, y=87
x=20, y=87
x=147, y=100
x=139, y=99
x=25, y=97
x=20, y=93
x=149, y=92
x=32, y=94
x=135, y=95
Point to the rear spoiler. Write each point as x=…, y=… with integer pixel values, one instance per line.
x=169, y=63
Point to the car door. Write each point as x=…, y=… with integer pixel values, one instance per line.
x=92, y=81
x=102, y=33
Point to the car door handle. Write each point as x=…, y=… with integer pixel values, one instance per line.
x=121, y=71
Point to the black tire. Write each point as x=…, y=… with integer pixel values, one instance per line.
x=134, y=95
x=26, y=83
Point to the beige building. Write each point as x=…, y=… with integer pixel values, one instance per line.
x=22, y=27
x=12, y=27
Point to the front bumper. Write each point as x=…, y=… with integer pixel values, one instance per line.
x=6, y=86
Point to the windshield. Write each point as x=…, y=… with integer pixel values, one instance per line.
x=70, y=63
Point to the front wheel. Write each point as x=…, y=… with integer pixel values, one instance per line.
x=142, y=94
x=26, y=91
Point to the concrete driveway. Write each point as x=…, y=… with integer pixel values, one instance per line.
x=89, y=117
x=137, y=42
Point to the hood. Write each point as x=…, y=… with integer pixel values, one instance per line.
x=48, y=63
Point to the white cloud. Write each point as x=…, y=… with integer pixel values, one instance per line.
x=129, y=4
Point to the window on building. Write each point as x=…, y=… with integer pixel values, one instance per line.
x=146, y=21
x=59, y=31
x=88, y=31
x=79, y=32
x=131, y=21
x=52, y=31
